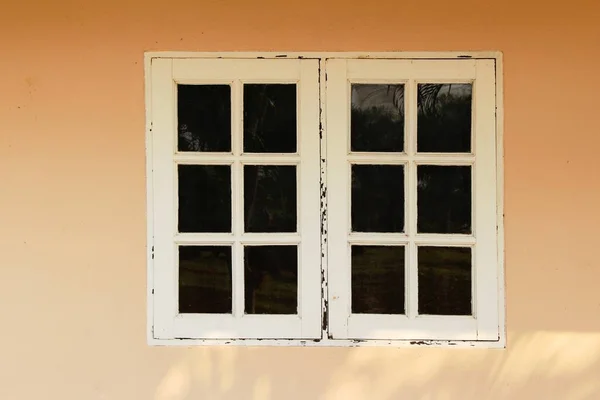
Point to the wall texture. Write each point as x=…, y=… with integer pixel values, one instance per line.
x=72, y=200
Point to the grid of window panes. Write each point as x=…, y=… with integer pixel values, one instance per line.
x=381, y=188
x=239, y=193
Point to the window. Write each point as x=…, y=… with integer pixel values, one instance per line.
x=324, y=199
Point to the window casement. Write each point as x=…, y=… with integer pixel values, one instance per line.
x=324, y=199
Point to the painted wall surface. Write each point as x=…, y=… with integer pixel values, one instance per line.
x=72, y=200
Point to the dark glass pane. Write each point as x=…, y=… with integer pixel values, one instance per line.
x=270, y=118
x=205, y=279
x=204, y=198
x=204, y=117
x=271, y=279
x=377, y=198
x=445, y=280
x=270, y=198
x=377, y=119
x=444, y=120
x=444, y=199
x=378, y=279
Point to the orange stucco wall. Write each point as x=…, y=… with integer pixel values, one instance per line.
x=72, y=200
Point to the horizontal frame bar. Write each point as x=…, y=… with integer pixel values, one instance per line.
x=228, y=158
x=228, y=239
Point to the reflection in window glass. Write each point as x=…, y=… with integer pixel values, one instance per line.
x=377, y=198
x=444, y=199
x=444, y=117
x=271, y=279
x=444, y=280
x=270, y=198
x=378, y=279
x=204, y=117
x=204, y=198
x=377, y=118
x=270, y=118
x=205, y=279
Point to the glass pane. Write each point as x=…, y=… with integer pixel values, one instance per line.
x=271, y=279
x=445, y=280
x=204, y=198
x=270, y=198
x=378, y=279
x=204, y=117
x=377, y=198
x=377, y=119
x=444, y=199
x=205, y=279
x=444, y=120
x=270, y=118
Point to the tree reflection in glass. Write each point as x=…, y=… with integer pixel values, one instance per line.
x=444, y=117
x=377, y=118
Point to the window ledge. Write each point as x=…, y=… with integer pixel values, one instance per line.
x=487, y=344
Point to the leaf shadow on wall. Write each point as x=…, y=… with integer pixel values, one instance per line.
x=549, y=365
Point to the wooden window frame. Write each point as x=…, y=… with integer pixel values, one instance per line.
x=323, y=305
x=168, y=322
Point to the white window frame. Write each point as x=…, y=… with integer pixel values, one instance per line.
x=483, y=324
x=325, y=304
x=168, y=322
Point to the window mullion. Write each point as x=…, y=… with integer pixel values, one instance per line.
x=338, y=193
x=237, y=193
x=326, y=331
x=410, y=105
x=309, y=273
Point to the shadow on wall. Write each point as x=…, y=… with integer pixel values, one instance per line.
x=538, y=365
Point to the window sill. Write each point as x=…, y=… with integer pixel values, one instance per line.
x=497, y=344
